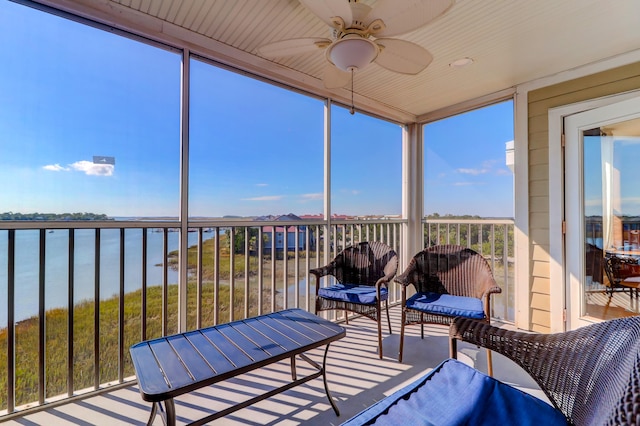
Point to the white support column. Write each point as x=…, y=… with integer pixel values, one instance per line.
x=184, y=193
x=327, y=178
x=412, y=191
x=522, y=285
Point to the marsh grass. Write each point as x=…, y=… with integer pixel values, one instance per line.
x=27, y=332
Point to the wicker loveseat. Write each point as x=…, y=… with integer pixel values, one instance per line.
x=590, y=375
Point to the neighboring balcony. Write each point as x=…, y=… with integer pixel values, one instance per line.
x=120, y=281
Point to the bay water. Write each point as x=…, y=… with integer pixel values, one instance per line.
x=27, y=261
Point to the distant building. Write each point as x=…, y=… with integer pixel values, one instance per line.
x=278, y=233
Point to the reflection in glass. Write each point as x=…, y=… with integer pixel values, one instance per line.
x=611, y=155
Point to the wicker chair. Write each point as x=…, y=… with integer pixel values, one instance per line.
x=363, y=272
x=450, y=281
x=592, y=374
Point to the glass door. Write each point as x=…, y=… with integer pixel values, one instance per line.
x=602, y=213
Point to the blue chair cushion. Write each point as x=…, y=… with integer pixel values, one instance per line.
x=353, y=293
x=446, y=304
x=456, y=394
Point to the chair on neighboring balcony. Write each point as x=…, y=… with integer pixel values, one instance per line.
x=623, y=274
x=363, y=272
x=450, y=281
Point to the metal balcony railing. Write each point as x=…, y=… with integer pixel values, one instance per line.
x=75, y=296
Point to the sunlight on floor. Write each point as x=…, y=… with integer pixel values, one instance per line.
x=357, y=378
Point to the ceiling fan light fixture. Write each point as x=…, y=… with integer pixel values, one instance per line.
x=352, y=53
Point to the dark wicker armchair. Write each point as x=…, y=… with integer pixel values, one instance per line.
x=592, y=374
x=363, y=272
x=450, y=281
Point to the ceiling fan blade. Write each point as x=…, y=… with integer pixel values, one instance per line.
x=327, y=9
x=335, y=78
x=402, y=56
x=293, y=46
x=401, y=17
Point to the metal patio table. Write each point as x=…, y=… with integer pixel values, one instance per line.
x=174, y=365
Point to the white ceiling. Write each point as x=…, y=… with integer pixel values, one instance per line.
x=511, y=42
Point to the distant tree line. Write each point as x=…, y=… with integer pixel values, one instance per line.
x=53, y=216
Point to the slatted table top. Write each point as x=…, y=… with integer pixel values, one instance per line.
x=170, y=366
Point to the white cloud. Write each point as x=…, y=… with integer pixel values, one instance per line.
x=262, y=184
x=93, y=169
x=351, y=191
x=265, y=198
x=312, y=197
x=56, y=168
x=473, y=172
x=468, y=183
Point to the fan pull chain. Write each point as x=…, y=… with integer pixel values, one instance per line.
x=353, y=109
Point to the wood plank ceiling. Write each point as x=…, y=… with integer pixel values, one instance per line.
x=510, y=41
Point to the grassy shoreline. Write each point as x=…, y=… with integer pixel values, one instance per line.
x=27, y=332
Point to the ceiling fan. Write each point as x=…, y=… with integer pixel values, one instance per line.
x=360, y=35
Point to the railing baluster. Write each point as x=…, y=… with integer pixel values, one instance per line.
x=307, y=263
x=165, y=279
x=121, y=342
x=260, y=269
x=11, y=332
x=96, y=313
x=273, y=268
x=143, y=308
x=285, y=266
x=505, y=267
x=199, y=281
x=493, y=247
x=232, y=278
x=42, y=338
x=247, y=258
x=296, y=275
x=71, y=311
x=216, y=279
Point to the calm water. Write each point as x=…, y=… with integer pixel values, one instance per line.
x=57, y=260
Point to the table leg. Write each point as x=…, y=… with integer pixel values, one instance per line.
x=167, y=414
x=171, y=412
x=154, y=412
x=324, y=379
x=293, y=368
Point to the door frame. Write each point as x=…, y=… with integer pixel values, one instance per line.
x=559, y=288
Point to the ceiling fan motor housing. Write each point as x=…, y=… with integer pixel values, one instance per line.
x=353, y=52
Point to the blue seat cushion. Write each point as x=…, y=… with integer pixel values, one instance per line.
x=353, y=293
x=455, y=394
x=446, y=304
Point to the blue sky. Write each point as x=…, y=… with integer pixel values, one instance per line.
x=255, y=148
x=465, y=163
x=626, y=156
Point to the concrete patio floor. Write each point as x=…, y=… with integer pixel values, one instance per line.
x=357, y=378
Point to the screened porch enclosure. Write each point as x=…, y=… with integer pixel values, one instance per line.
x=156, y=190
